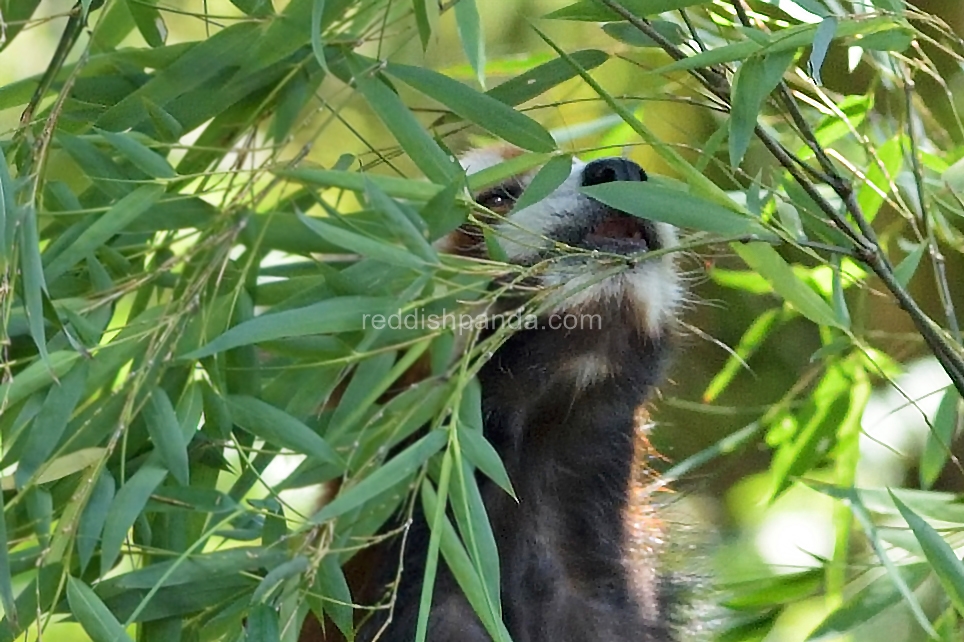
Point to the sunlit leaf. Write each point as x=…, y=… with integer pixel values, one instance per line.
x=770, y=265
x=937, y=449
x=481, y=109
x=944, y=561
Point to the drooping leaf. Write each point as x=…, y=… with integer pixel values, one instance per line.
x=478, y=108
x=390, y=474
x=656, y=202
x=943, y=560
x=770, y=265
x=754, y=81
x=279, y=428
x=339, y=314
x=97, y=620
x=125, y=509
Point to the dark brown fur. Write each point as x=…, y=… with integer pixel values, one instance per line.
x=577, y=552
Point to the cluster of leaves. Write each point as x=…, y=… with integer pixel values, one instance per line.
x=187, y=299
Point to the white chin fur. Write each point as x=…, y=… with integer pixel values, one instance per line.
x=652, y=289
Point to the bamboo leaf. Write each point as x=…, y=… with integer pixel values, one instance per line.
x=116, y=219
x=437, y=166
x=94, y=517
x=50, y=423
x=937, y=448
x=126, y=507
x=547, y=179
x=388, y=475
x=97, y=620
x=765, y=260
x=755, y=79
x=485, y=111
x=280, y=429
x=339, y=314
x=943, y=560
x=35, y=376
x=658, y=203
x=541, y=79
x=166, y=434
x=145, y=158
x=470, y=33
x=593, y=11
x=821, y=43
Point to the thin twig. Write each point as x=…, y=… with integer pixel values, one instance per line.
x=937, y=257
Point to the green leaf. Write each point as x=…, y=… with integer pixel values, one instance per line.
x=36, y=376
x=470, y=33
x=279, y=428
x=789, y=39
x=281, y=572
x=149, y=21
x=437, y=166
x=868, y=602
x=143, y=157
x=481, y=109
x=821, y=43
x=423, y=21
x=754, y=80
x=369, y=246
x=125, y=509
x=403, y=188
x=943, y=560
x=115, y=220
x=330, y=583
x=751, y=340
x=890, y=40
x=50, y=423
x=937, y=449
x=317, y=12
x=484, y=456
x=94, y=517
x=658, y=203
x=905, y=270
x=34, y=285
x=97, y=620
x=339, y=314
x=853, y=501
x=765, y=260
x=413, y=235
x=595, y=11
x=166, y=434
x=541, y=79
x=197, y=66
x=254, y=8
x=549, y=177
x=7, y=599
x=460, y=564
x=16, y=14
x=629, y=34
x=262, y=624
x=388, y=475
x=8, y=212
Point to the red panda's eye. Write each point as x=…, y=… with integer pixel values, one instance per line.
x=499, y=199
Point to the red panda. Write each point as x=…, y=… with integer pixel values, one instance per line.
x=563, y=404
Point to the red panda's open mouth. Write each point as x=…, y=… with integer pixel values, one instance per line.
x=622, y=234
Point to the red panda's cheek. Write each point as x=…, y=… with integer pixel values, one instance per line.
x=466, y=241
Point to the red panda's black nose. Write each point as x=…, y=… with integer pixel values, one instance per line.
x=609, y=170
